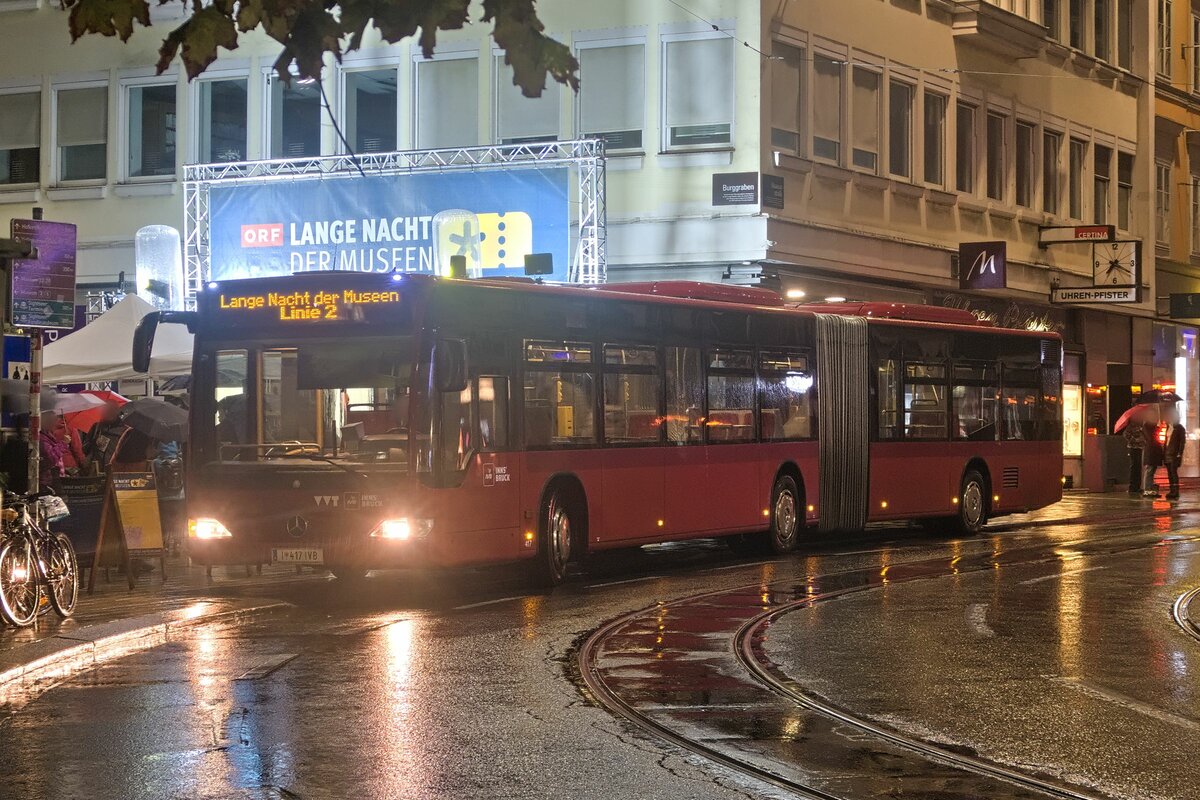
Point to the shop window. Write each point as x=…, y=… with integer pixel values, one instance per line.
x=447, y=107
x=521, y=119
x=827, y=109
x=787, y=96
x=221, y=127
x=294, y=123
x=1072, y=420
x=612, y=94
x=864, y=120
x=20, y=137
x=370, y=110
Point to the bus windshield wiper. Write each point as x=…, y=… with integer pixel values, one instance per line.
x=302, y=453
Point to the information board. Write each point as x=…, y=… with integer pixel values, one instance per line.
x=43, y=288
x=85, y=499
x=136, y=495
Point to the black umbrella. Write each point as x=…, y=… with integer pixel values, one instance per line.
x=1159, y=396
x=157, y=419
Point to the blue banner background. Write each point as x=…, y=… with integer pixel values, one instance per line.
x=286, y=218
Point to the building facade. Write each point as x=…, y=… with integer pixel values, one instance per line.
x=889, y=133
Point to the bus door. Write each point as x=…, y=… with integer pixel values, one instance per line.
x=732, y=494
x=632, y=503
x=685, y=470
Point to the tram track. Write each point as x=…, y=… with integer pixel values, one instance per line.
x=745, y=643
x=1180, y=612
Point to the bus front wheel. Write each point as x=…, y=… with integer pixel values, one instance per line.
x=786, y=516
x=556, y=535
x=972, y=504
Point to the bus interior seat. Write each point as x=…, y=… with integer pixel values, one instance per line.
x=539, y=422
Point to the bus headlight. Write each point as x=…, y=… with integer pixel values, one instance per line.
x=207, y=528
x=402, y=529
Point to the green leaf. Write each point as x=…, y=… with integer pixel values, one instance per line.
x=531, y=54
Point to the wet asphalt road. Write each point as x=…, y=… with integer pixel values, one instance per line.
x=459, y=685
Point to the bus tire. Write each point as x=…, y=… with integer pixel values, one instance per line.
x=786, y=516
x=972, y=504
x=557, y=536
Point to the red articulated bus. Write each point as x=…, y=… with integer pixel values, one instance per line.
x=364, y=421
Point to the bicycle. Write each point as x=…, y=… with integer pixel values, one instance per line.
x=32, y=556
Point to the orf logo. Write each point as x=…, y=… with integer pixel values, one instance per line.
x=982, y=265
x=268, y=235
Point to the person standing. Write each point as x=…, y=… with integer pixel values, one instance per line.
x=52, y=451
x=1173, y=454
x=1135, y=442
x=1152, y=456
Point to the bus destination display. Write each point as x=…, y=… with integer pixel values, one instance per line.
x=305, y=307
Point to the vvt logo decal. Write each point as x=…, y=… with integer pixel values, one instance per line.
x=327, y=500
x=268, y=235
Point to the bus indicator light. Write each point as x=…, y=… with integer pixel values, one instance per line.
x=883, y=504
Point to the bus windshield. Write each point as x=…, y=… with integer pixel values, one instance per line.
x=320, y=399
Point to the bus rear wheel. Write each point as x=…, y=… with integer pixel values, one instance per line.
x=556, y=540
x=972, y=504
x=784, y=534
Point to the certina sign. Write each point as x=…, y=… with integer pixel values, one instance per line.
x=384, y=223
x=1088, y=294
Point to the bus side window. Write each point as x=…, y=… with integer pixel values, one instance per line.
x=493, y=413
x=230, y=397
x=887, y=377
x=685, y=395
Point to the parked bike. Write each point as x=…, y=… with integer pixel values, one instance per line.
x=32, y=557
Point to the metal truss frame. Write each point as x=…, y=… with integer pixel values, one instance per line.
x=586, y=156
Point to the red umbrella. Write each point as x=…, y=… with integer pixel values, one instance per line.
x=1134, y=414
x=83, y=421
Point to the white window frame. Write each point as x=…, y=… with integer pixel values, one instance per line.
x=665, y=145
x=882, y=121
x=268, y=74
x=52, y=138
x=474, y=51
x=944, y=127
x=845, y=99
x=124, y=86
x=1162, y=203
x=360, y=64
x=639, y=40
x=193, y=96
x=1162, y=51
x=802, y=99
x=32, y=89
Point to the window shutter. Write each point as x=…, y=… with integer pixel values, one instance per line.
x=612, y=86
x=700, y=82
x=522, y=117
x=448, y=103
x=866, y=111
x=20, y=120
x=82, y=116
x=827, y=99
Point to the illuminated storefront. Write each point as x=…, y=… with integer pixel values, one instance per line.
x=1175, y=369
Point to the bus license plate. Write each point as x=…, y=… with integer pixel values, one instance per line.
x=297, y=555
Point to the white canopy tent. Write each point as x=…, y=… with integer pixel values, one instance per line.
x=103, y=350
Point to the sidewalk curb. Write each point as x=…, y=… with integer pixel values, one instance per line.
x=88, y=646
x=1086, y=519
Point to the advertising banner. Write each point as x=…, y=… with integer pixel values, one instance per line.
x=385, y=223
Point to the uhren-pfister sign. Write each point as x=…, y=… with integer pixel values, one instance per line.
x=385, y=223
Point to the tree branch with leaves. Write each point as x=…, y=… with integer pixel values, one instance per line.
x=311, y=30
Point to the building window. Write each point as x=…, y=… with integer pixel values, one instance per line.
x=612, y=94
x=1026, y=163
x=370, y=98
x=20, y=137
x=935, y=139
x=1195, y=52
x=997, y=166
x=1195, y=214
x=1051, y=146
x=1075, y=157
x=521, y=119
x=221, y=113
x=827, y=109
x=1075, y=23
x=787, y=96
x=900, y=111
x=1162, y=203
x=82, y=134
x=447, y=102
x=1164, y=38
x=1102, y=16
x=864, y=119
x=1124, y=189
x=1050, y=18
x=965, y=138
x=1102, y=181
x=151, y=133
x=1125, y=34
x=699, y=92
x=294, y=124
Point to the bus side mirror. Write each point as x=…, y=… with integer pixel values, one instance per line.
x=143, y=335
x=450, y=365
x=143, y=341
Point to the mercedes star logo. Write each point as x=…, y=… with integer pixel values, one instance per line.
x=297, y=526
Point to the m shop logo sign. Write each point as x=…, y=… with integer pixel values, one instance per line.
x=266, y=235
